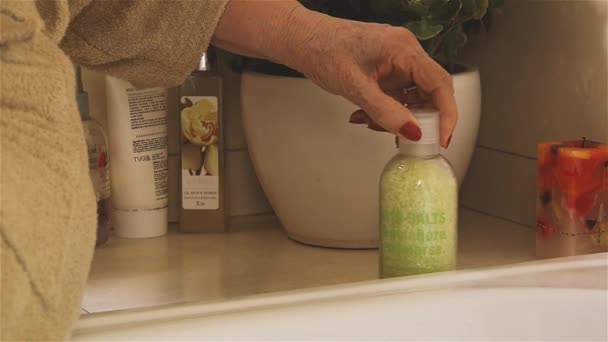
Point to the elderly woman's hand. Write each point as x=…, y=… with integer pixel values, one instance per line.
x=372, y=65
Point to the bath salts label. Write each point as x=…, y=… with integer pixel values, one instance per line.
x=417, y=241
x=199, y=152
x=148, y=119
x=418, y=216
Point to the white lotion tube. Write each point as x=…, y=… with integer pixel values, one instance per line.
x=137, y=129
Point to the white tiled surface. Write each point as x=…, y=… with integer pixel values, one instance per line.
x=245, y=195
x=235, y=136
x=257, y=257
x=501, y=184
x=173, y=121
x=94, y=84
x=174, y=193
x=544, y=67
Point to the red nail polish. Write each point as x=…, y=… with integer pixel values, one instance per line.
x=449, y=141
x=358, y=117
x=358, y=120
x=411, y=131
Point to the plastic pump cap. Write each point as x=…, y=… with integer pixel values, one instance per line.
x=207, y=61
x=428, y=120
x=428, y=145
x=203, y=62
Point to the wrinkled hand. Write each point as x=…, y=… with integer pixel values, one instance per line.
x=373, y=66
x=369, y=64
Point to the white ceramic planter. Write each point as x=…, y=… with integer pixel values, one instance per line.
x=319, y=172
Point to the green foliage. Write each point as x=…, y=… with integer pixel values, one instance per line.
x=441, y=26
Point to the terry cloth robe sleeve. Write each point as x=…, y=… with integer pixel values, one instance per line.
x=47, y=205
x=146, y=42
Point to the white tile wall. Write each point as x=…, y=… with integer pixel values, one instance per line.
x=544, y=68
x=501, y=184
x=245, y=195
x=235, y=136
x=93, y=84
x=174, y=192
x=173, y=121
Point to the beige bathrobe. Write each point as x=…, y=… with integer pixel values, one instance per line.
x=47, y=206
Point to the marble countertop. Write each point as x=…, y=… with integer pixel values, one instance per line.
x=257, y=257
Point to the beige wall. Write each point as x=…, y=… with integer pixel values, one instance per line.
x=544, y=70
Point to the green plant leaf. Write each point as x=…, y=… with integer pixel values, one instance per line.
x=438, y=3
x=453, y=41
x=445, y=10
x=423, y=29
x=419, y=7
x=429, y=45
x=468, y=7
x=456, y=38
x=482, y=8
x=475, y=9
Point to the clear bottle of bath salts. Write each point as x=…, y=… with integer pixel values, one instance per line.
x=418, y=206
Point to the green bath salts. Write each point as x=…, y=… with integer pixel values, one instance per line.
x=418, y=210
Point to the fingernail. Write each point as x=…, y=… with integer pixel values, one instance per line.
x=411, y=131
x=449, y=141
x=375, y=127
x=357, y=119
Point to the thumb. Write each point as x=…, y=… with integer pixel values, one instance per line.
x=387, y=112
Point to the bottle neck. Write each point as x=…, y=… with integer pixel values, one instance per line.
x=206, y=62
x=203, y=63
x=82, y=97
x=419, y=150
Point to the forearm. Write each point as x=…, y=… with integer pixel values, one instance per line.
x=277, y=30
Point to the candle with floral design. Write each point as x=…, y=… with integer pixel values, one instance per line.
x=572, y=201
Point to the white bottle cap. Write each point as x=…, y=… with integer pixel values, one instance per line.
x=142, y=223
x=428, y=120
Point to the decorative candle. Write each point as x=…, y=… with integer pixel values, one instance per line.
x=572, y=201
